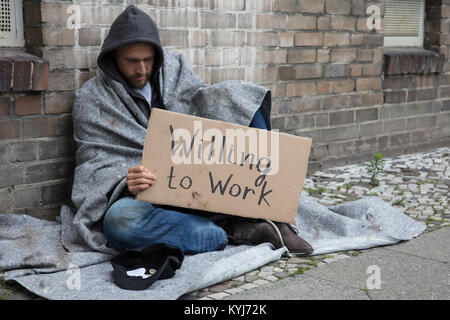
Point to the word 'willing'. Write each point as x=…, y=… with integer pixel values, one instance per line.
x=214, y=147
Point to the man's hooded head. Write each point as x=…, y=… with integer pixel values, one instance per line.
x=132, y=51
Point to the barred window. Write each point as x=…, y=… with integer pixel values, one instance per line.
x=11, y=23
x=404, y=23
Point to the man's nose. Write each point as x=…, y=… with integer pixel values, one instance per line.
x=141, y=67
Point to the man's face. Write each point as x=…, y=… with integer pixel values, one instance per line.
x=135, y=63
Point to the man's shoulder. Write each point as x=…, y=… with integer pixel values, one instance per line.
x=93, y=86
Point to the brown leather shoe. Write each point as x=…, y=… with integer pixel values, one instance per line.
x=292, y=241
x=254, y=233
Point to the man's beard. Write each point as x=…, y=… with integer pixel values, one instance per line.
x=134, y=81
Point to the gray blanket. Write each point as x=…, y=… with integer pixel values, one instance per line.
x=110, y=131
x=49, y=258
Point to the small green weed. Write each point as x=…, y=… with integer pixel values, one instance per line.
x=375, y=168
x=318, y=189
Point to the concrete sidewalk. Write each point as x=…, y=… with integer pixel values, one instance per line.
x=417, y=269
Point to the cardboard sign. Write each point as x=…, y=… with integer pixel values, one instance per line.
x=218, y=166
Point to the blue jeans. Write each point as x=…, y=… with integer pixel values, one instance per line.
x=131, y=224
x=258, y=120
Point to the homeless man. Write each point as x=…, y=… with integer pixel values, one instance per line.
x=111, y=113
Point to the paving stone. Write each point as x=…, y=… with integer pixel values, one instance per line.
x=260, y=282
x=219, y=295
x=248, y=286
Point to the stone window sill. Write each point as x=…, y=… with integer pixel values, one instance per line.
x=412, y=61
x=22, y=71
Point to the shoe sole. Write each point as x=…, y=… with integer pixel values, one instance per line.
x=277, y=231
x=303, y=253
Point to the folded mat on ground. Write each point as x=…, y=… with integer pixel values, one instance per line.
x=48, y=259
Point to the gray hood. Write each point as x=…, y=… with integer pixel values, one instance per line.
x=131, y=26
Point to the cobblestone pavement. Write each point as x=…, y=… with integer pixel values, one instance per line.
x=416, y=184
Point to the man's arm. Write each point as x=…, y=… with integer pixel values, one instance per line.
x=139, y=178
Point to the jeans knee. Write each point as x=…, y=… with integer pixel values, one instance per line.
x=209, y=237
x=123, y=216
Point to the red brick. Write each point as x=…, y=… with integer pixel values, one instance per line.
x=198, y=38
x=394, y=96
x=228, y=5
x=300, y=22
x=371, y=99
x=284, y=6
x=342, y=86
x=9, y=129
x=218, y=75
x=178, y=18
x=271, y=21
x=301, y=55
x=262, y=39
x=220, y=38
x=322, y=87
x=215, y=19
x=372, y=69
x=58, y=103
x=60, y=81
x=339, y=22
x=336, y=39
x=308, y=39
x=311, y=6
x=287, y=73
x=343, y=55
x=31, y=13
x=22, y=75
x=324, y=23
x=262, y=74
x=90, y=36
x=308, y=71
x=300, y=89
x=365, y=55
x=47, y=127
x=338, y=6
x=6, y=67
x=368, y=84
x=55, y=13
x=40, y=76
x=270, y=56
x=286, y=39
x=323, y=55
x=57, y=36
x=4, y=107
x=355, y=70
x=30, y=104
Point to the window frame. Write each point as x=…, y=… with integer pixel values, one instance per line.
x=404, y=41
x=15, y=37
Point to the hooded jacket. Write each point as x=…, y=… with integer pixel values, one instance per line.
x=131, y=26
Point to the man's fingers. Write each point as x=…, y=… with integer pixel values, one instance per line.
x=135, y=189
x=138, y=169
x=135, y=182
x=145, y=175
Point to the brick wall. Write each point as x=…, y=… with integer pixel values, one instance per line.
x=326, y=69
